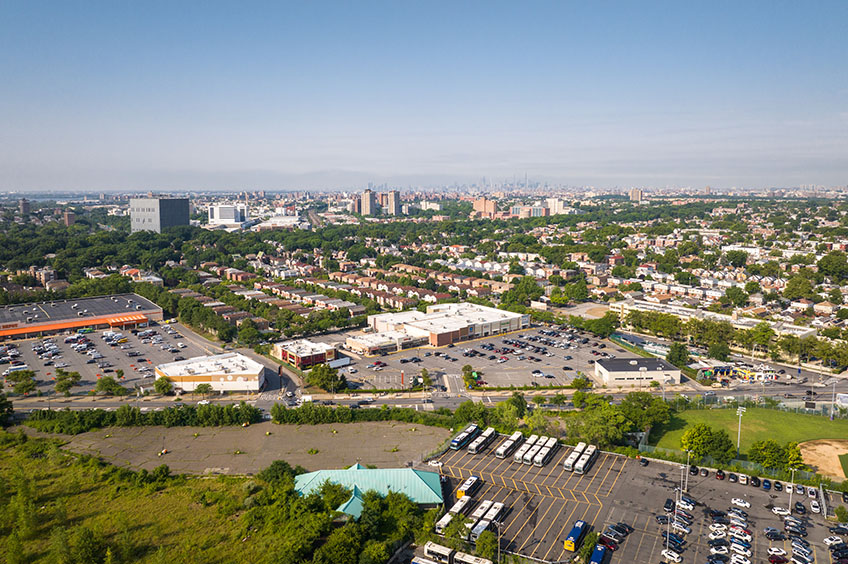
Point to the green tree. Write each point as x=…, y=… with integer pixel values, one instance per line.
x=86, y=546
x=735, y=296
x=722, y=448
x=835, y=296
x=60, y=550
x=841, y=514
x=7, y=409
x=119, y=373
x=752, y=287
x=538, y=424
x=581, y=383
x=736, y=258
x=697, y=439
x=487, y=545
x=678, y=355
x=519, y=403
x=834, y=264
x=15, y=553
x=793, y=457
x=588, y=546
x=768, y=452
x=66, y=380
x=326, y=378
x=22, y=381
x=203, y=389
x=374, y=552
x=719, y=351
x=644, y=410
x=798, y=287
x=559, y=399
x=163, y=385
x=107, y=385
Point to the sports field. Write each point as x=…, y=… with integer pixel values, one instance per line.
x=757, y=424
x=843, y=459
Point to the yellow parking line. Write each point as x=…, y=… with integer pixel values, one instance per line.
x=498, y=467
x=549, y=528
x=523, y=523
x=615, y=459
x=620, y=470
x=535, y=527
x=558, y=542
x=597, y=514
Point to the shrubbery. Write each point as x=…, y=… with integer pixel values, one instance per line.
x=74, y=422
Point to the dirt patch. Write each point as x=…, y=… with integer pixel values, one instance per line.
x=238, y=450
x=597, y=312
x=823, y=456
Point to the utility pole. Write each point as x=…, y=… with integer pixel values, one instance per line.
x=739, y=412
x=791, y=489
x=497, y=525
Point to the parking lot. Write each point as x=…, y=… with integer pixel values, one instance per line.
x=137, y=369
x=502, y=361
x=543, y=503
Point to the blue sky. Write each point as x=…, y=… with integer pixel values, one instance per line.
x=169, y=95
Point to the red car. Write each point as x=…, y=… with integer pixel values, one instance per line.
x=719, y=475
x=775, y=559
x=608, y=542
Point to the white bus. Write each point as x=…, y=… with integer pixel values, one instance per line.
x=586, y=459
x=509, y=445
x=478, y=529
x=446, y=519
x=531, y=440
x=468, y=487
x=438, y=552
x=478, y=515
x=462, y=506
x=519, y=454
x=480, y=443
x=573, y=457
x=542, y=457
x=494, y=512
x=463, y=558
x=531, y=454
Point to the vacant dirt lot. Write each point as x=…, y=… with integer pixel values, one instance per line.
x=237, y=450
x=823, y=456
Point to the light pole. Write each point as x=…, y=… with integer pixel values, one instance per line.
x=739, y=412
x=688, y=455
x=791, y=489
x=832, y=381
x=497, y=525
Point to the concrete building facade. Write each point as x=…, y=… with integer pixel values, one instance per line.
x=629, y=372
x=156, y=214
x=228, y=372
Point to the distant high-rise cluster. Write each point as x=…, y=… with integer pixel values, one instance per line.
x=636, y=195
x=370, y=203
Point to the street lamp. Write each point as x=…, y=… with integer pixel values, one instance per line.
x=832, y=381
x=791, y=489
x=739, y=412
x=688, y=455
x=497, y=525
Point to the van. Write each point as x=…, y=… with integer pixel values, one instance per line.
x=743, y=479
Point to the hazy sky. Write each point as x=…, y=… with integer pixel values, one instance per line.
x=169, y=95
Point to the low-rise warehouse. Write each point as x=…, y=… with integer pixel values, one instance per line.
x=228, y=372
x=442, y=324
x=304, y=353
x=120, y=311
x=636, y=371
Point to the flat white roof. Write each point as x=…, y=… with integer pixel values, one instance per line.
x=380, y=339
x=305, y=347
x=227, y=363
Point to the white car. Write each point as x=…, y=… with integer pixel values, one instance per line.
x=739, y=549
x=776, y=551
x=832, y=540
x=738, y=522
x=685, y=505
x=812, y=493
x=671, y=555
x=740, y=502
x=780, y=511
x=739, y=559
x=815, y=507
x=681, y=527
x=718, y=535
x=718, y=527
x=718, y=550
x=741, y=536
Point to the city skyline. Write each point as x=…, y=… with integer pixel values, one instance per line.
x=328, y=95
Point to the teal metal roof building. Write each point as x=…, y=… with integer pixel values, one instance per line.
x=424, y=488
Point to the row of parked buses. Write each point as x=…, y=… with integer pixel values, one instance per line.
x=466, y=436
x=438, y=554
x=484, y=440
x=580, y=459
x=537, y=450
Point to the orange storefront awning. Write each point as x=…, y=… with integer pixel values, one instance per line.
x=75, y=324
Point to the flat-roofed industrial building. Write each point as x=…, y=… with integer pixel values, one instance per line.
x=120, y=311
x=304, y=353
x=636, y=371
x=228, y=372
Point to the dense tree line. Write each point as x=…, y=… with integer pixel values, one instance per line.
x=79, y=421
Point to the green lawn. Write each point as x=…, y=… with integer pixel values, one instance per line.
x=843, y=459
x=757, y=425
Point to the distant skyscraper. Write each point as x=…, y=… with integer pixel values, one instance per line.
x=23, y=206
x=369, y=203
x=393, y=207
x=156, y=214
x=228, y=214
x=708, y=190
x=69, y=218
x=485, y=207
x=636, y=195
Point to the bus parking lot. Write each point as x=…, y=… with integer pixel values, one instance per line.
x=147, y=353
x=521, y=358
x=542, y=504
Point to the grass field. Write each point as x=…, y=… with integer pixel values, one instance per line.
x=174, y=524
x=757, y=425
x=843, y=459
